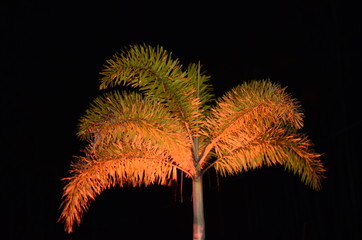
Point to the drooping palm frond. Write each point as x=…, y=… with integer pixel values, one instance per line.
x=132, y=140
x=293, y=151
x=255, y=124
x=130, y=117
x=123, y=164
x=161, y=78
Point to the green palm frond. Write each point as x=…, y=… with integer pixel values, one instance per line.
x=140, y=66
x=138, y=164
x=201, y=83
x=129, y=117
x=161, y=78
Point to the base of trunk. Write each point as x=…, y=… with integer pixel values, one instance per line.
x=198, y=207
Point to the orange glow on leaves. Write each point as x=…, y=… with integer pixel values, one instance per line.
x=144, y=138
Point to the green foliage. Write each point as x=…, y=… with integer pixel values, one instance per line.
x=159, y=77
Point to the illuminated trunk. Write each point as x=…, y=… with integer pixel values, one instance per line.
x=198, y=206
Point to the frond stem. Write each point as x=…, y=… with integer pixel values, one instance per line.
x=179, y=168
x=208, y=167
x=215, y=140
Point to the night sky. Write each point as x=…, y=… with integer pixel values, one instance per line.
x=51, y=54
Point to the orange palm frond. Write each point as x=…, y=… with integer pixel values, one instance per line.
x=255, y=124
x=276, y=146
x=249, y=110
x=131, y=118
x=135, y=165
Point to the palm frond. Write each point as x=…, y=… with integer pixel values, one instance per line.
x=161, y=78
x=249, y=110
x=201, y=83
x=131, y=118
x=256, y=124
x=135, y=165
x=256, y=102
x=276, y=146
x=139, y=66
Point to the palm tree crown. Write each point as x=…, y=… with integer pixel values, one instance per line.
x=171, y=123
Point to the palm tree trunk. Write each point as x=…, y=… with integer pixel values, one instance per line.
x=198, y=207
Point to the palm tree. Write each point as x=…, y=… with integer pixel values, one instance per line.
x=170, y=122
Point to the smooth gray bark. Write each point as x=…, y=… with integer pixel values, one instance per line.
x=198, y=207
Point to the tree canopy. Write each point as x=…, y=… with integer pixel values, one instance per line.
x=171, y=122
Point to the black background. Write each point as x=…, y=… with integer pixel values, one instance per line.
x=52, y=52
